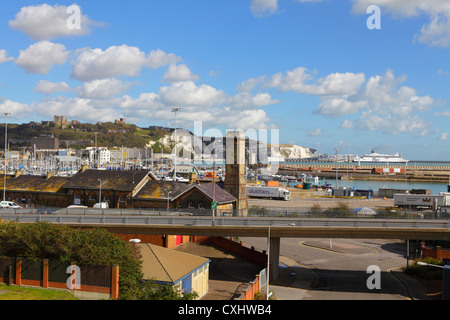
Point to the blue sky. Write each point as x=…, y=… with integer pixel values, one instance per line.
x=311, y=69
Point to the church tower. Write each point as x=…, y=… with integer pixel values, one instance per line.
x=235, y=180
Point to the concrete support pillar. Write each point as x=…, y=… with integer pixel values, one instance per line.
x=274, y=258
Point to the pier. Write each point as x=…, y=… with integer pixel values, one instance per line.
x=382, y=171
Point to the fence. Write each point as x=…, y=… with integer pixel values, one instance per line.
x=434, y=252
x=257, y=285
x=99, y=282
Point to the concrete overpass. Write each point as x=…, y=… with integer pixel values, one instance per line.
x=273, y=228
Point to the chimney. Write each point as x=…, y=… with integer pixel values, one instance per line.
x=193, y=177
x=50, y=174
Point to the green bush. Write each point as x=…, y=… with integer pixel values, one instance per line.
x=91, y=246
x=425, y=272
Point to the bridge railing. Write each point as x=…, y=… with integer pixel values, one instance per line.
x=198, y=221
x=253, y=211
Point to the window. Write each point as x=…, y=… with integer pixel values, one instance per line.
x=105, y=198
x=92, y=197
x=200, y=205
x=76, y=199
x=191, y=205
x=122, y=199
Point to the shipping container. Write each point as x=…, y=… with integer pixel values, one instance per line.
x=268, y=192
x=420, y=201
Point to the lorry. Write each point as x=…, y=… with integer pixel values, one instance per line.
x=422, y=200
x=268, y=192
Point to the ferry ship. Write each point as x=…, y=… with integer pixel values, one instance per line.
x=379, y=157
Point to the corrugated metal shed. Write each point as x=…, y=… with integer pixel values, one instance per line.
x=166, y=265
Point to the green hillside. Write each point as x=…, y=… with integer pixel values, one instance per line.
x=82, y=135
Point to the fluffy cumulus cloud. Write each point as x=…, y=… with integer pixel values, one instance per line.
x=180, y=72
x=4, y=56
x=436, y=32
x=382, y=103
x=16, y=109
x=385, y=104
x=91, y=64
x=45, y=22
x=40, y=57
x=299, y=80
x=103, y=88
x=187, y=93
x=47, y=87
x=76, y=108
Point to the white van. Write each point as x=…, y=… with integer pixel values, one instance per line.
x=9, y=205
x=101, y=205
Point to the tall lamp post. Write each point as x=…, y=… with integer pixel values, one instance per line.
x=168, y=199
x=6, y=151
x=100, y=194
x=445, y=280
x=175, y=110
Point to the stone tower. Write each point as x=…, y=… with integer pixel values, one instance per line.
x=235, y=180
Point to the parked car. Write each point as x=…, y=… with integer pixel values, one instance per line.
x=9, y=205
x=101, y=205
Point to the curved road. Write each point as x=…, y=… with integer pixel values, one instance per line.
x=339, y=268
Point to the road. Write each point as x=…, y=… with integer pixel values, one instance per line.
x=339, y=267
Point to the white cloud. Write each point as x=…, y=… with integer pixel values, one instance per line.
x=180, y=72
x=16, y=109
x=45, y=22
x=158, y=58
x=298, y=80
x=387, y=106
x=214, y=107
x=40, y=57
x=315, y=133
x=261, y=8
x=47, y=87
x=383, y=102
x=436, y=32
x=443, y=136
x=103, y=88
x=91, y=64
x=187, y=93
x=347, y=124
x=76, y=108
x=4, y=57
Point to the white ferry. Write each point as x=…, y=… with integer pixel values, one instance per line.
x=379, y=157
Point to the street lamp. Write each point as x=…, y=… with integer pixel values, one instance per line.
x=445, y=278
x=168, y=198
x=175, y=110
x=6, y=151
x=100, y=194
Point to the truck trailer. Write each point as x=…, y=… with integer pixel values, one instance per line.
x=268, y=192
x=422, y=200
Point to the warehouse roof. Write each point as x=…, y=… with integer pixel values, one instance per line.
x=220, y=195
x=159, y=190
x=166, y=265
x=34, y=183
x=111, y=179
